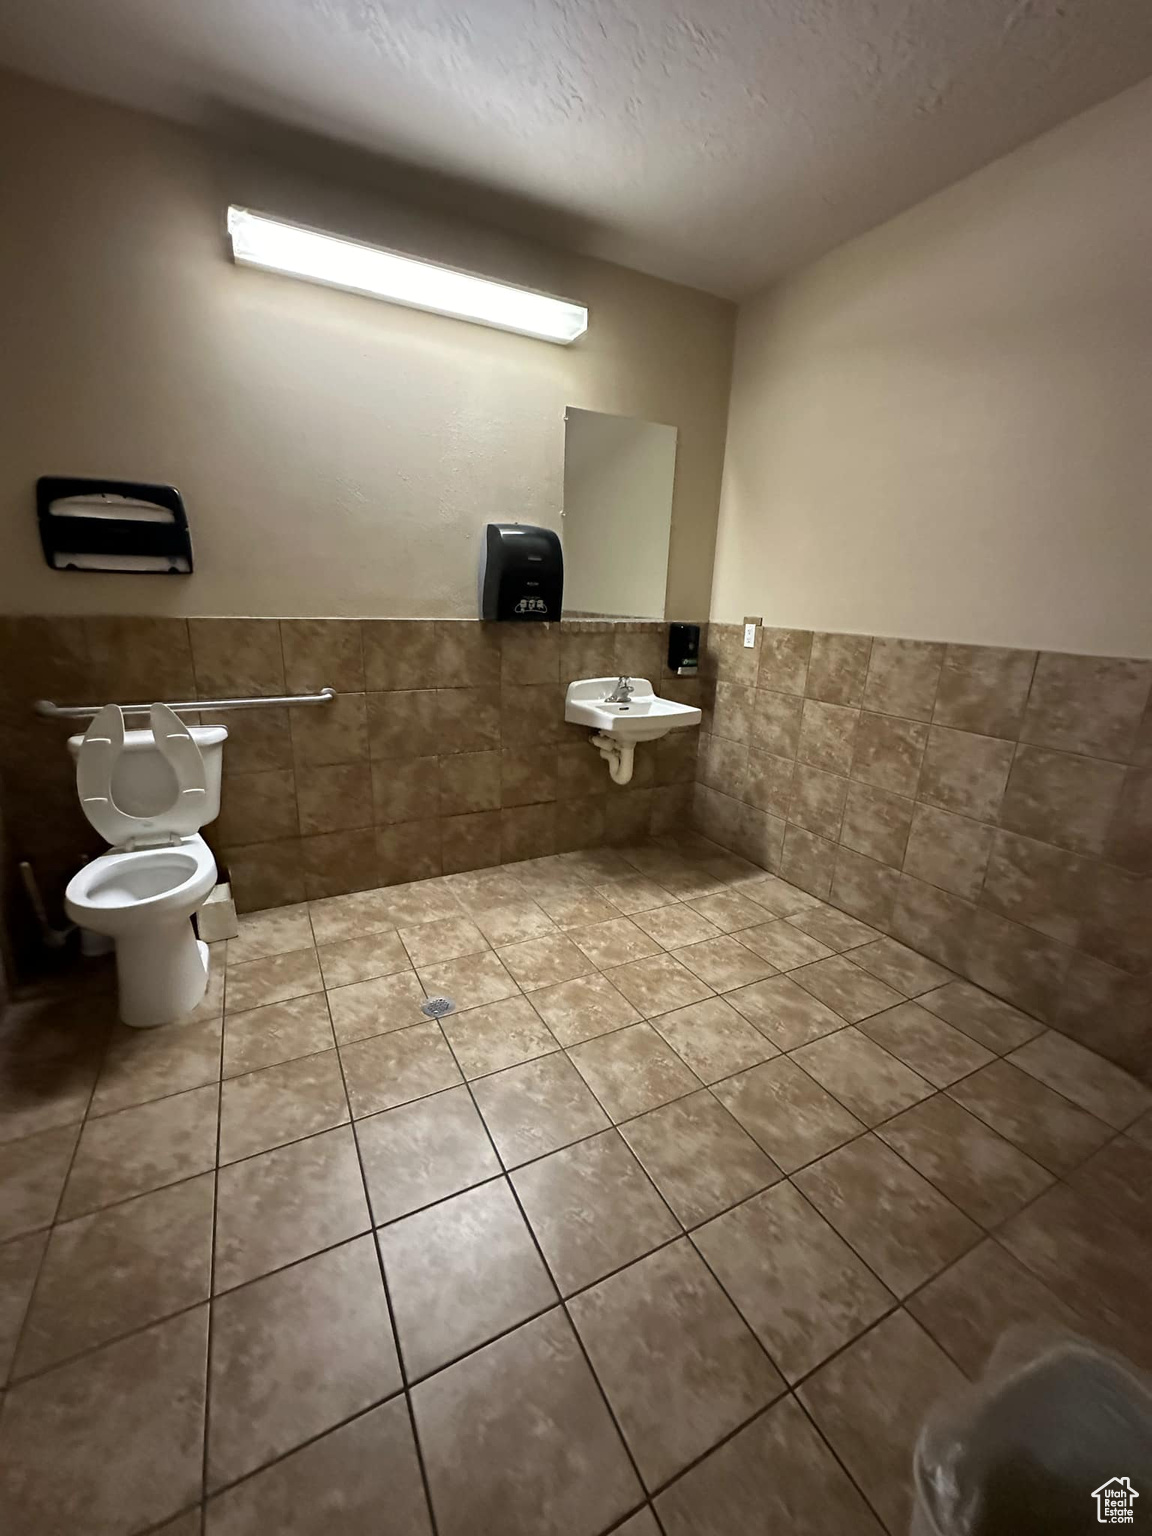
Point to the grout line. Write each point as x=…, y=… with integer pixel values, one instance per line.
x=212, y=1252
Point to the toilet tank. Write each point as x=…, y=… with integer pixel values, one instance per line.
x=143, y=783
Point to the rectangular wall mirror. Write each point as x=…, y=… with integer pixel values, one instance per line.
x=618, y=475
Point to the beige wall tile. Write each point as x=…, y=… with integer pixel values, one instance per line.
x=732, y=711
x=1117, y=919
x=1035, y=884
x=580, y=770
x=1130, y=836
x=933, y=921
x=761, y=837
x=1108, y=1010
x=827, y=736
x=640, y=652
x=469, y=781
x=406, y=789
x=948, y=850
x=776, y=722
x=400, y=654
x=409, y=850
x=467, y=719
x=137, y=660
x=864, y=887
x=627, y=816
x=965, y=773
x=258, y=807
x=531, y=714
x=808, y=861
x=784, y=657
x=768, y=785
x=470, y=841
x=838, y=668
x=728, y=659
x=331, y=733
x=1061, y=799
x=527, y=832
x=265, y=874
x=322, y=653
x=903, y=677
x=984, y=688
x=44, y=658
x=1022, y=966
x=723, y=765
x=876, y=823
x=585, y=654
x=1089, y=704
x=889, y=752
x=336, y=862
x=235, y=657
x=404, y=724
x=530, y=653
x=580, y=822
x=468, y=653
x=817, y=801
x=334, y=798
x=676, y=758
x=257, y=738
x=671, y=809
x=528, y=775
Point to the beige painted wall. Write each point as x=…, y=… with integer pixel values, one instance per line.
x=944, y=429
x=337, y=455
x=618, y=483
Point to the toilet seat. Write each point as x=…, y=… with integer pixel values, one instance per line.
x=96, y=763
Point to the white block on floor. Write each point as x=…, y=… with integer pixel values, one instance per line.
x=216, y=919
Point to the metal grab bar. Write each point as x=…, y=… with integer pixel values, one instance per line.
x=89, y=711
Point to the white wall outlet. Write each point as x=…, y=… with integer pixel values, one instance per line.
x=749, y=636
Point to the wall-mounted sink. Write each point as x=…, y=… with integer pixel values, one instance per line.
x=620, y=722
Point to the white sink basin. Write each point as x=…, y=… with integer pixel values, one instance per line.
x=644, y=718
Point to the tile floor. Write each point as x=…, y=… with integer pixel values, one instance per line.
x=680, y=1221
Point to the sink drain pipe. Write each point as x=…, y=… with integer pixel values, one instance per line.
x=617, y=754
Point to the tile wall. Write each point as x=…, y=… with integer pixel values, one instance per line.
x=445, y=750
x=991, y=808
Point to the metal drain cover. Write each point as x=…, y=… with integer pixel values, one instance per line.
x=435, y=1006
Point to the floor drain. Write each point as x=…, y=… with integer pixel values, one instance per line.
x=435, y=1006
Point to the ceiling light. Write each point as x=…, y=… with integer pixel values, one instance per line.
x=258, y=241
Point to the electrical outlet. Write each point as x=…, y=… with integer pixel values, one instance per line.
x=749, y=636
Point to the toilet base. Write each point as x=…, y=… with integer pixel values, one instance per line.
x=162, y=973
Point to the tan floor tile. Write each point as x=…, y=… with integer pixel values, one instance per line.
x=862, y=1075
x=779, y=898
x=593, y=1209
x=81, y=1445
x=293, y=1354
x=902, y=1227
x=698, y=1157
x=459, y=1273
x=781, y=943
x=870, y=1402
x=969, y=1307
x=1119, y=1176
x=187, y=1524
x=978, y=1170
x=366, y=1008
x=997, y=1025
x=362, y=1479
x=517, y=1440
x=142, y=1148
x=680, y=1368
x=19, y=1264
x=898, y=966
x=614, y=943
x=642, y=1523
x=635, y=893
x=597, y=864
x=926, y=1044
x=1141, y=1130
x=713, y=1039
x=264, y=1037
x=392, y=1069
x=835, y=929
x=276, y=931
x=1104, y=1090
x=479, y=890
x=784, y=1012
x=38, y=1094
x=496, y=1036
x=471, y=981
x=144, y=1064
x=583, y=1008
x=631, y=1070
x=577, y=909
x=424, y=1151
x=729, y=910
x=787, y=1112
x=511, y=922
x=420, y=901
x=777, y=1474
x=272, y=980
x=1039, y=1121
x=448, y=938
x=110, y=1273
x=280, y=1104
x=32, y=1174
x=545, y=960
x=852, y=993
x=799, y=1286
x=335, y=918
x=725, y=963
x=536, y=1108
x=285, y=1204
x=658, y=985
x=674, y=926
x=362, y=958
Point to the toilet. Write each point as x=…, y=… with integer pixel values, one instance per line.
x=148, y=793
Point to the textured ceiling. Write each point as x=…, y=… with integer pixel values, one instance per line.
x=714, y=142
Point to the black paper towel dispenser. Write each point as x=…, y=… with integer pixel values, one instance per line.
x=521, y=573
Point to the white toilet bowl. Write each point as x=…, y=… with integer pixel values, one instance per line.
x=144, y=900
x=147, y=792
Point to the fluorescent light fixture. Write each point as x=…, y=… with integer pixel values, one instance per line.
x=258, y=241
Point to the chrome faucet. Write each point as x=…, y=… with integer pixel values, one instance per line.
x=622, y=693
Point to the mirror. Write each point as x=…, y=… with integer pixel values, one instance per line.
x=618, y=475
